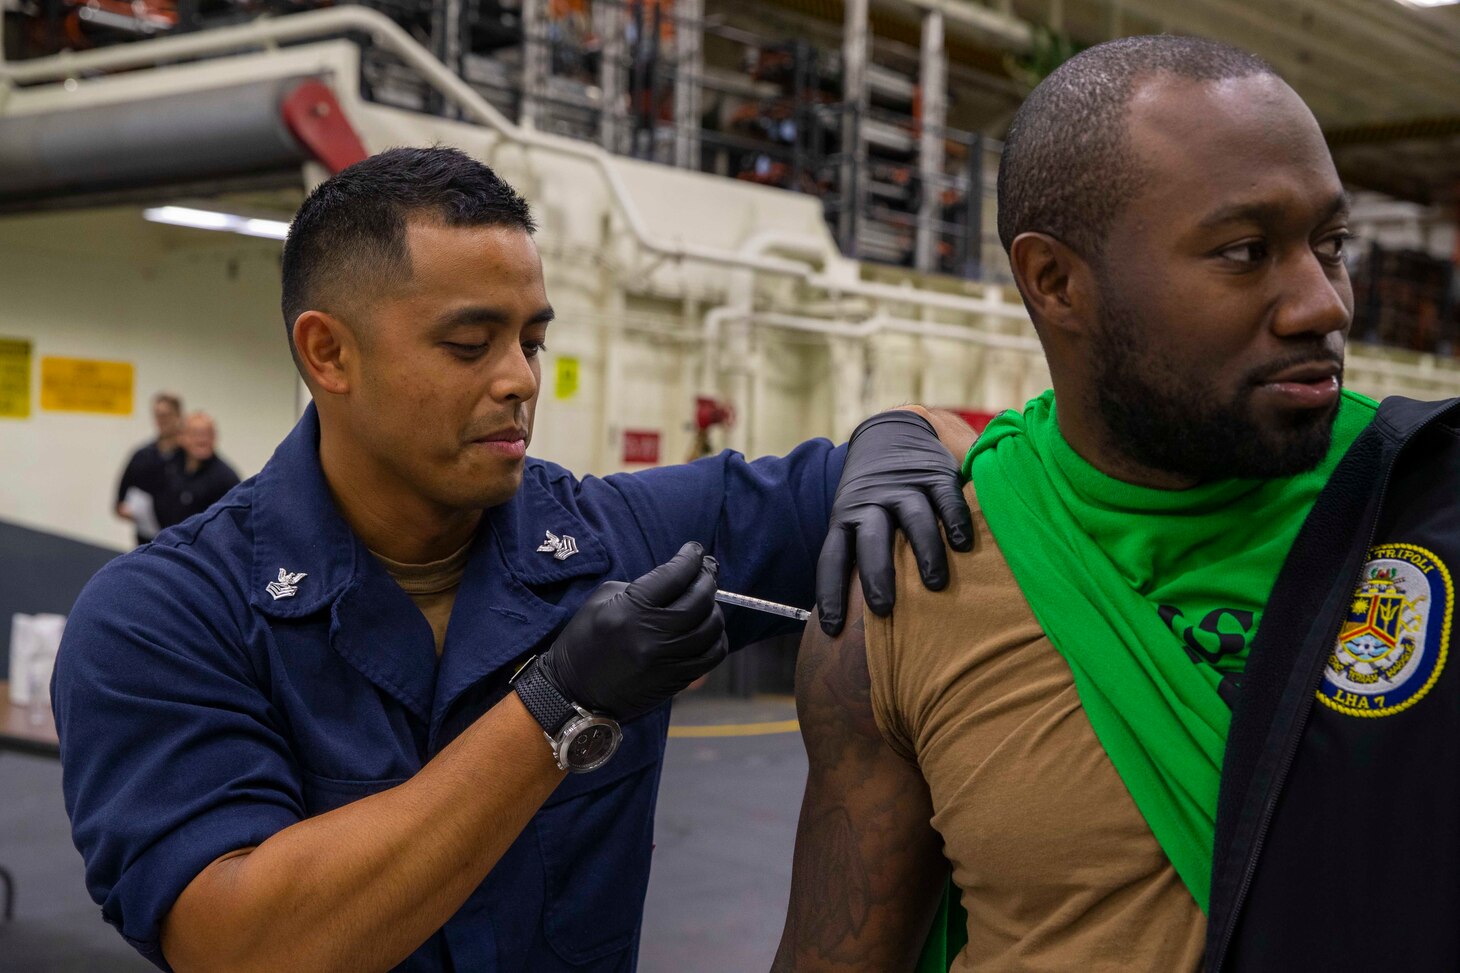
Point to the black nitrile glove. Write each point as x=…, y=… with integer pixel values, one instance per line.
x=898, y=474
x=633, y=646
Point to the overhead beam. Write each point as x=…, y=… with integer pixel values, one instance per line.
x=1429, y=79
x=1424, y=33
x=1425, y=54
x=1424, y=128
x=1200, y=18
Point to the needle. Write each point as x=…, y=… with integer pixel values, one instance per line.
x=745, y=601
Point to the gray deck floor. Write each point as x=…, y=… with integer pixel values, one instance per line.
x=722, y=862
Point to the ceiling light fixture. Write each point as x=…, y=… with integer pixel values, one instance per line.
x=206, y=219
x=1429, y=3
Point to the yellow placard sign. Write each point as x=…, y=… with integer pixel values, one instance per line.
x=14, y=378
x=87, y=385
x=565, y=384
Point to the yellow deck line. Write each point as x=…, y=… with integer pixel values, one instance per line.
x=736, y=729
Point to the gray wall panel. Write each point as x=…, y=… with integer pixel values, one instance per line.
x=41, y=572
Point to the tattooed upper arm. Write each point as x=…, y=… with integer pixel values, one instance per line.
x=868, y=870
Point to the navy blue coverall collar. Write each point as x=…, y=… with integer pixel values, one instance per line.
x=496, y=619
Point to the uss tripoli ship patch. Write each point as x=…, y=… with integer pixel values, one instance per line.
x=1392, y=646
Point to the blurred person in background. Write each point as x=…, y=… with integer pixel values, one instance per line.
x=144, y=476
x=196, y=477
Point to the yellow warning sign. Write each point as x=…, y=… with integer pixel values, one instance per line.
x=86, y=385
x=565, y=384
x=14, y=378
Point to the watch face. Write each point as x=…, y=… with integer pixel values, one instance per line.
x=590, y=747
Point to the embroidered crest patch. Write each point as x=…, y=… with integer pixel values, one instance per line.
x=1392, y=646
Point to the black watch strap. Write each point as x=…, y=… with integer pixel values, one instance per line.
x=542, y=699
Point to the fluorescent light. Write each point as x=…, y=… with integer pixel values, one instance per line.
x=1428, y=3
x=206, y=219
x=183, y=216
x=272, y=229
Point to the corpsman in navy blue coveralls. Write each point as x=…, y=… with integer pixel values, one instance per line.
x=277, y=753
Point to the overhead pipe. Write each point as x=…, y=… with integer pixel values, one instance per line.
x=817, y=250
x=878, y=324
x=1425, y=371
x=213, y=132
x=908, y=295
x=717, y=318
x=814, y=250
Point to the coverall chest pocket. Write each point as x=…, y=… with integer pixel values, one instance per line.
x=596, y=836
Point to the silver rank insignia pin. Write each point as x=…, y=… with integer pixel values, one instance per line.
x=287, y=586
x=561, y=548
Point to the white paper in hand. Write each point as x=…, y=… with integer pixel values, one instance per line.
x=139, y=504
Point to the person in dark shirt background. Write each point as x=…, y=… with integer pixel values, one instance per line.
x=146, y=469
x=196, y=477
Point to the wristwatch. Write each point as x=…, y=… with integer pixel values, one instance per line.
x=581, y=741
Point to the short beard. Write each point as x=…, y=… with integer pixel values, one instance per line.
x=1162, y=420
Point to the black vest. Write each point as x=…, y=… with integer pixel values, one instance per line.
x=1338, y=825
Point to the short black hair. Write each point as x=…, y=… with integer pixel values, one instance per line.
x=1067, y=167
x=350, y=234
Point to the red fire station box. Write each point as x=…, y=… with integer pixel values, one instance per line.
x=641, y=446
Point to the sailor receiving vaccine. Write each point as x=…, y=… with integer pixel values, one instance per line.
x=399, y=701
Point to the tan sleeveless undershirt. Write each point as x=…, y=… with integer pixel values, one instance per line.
x=432, y=587
x=1058, y=870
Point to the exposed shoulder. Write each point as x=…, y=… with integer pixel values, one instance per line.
x=868, y=871
x=833, y=686
x=956, y=435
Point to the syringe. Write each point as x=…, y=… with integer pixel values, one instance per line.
x=760, y=605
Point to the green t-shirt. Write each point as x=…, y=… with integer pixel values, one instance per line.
x=1153, y=597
